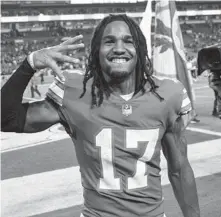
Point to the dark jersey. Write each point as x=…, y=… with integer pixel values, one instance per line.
x=118, y=145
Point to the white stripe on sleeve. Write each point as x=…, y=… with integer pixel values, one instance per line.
x=56, y=92
x=186, y=104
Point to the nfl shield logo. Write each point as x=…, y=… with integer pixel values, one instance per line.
x=126, y=109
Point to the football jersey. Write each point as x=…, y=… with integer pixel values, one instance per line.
x=118, y=144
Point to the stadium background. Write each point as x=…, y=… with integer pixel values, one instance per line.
x=30, y=25
x=27, y=160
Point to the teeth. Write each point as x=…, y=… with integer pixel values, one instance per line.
x=119, y=61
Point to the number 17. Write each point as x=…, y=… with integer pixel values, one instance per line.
x=139, y=180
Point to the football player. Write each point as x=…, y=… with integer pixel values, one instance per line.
x=119, y=126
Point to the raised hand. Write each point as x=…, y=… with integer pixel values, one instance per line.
x=48, y=57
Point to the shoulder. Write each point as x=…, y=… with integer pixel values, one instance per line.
x=73, y=80
x=174, y=93
x=168, y=87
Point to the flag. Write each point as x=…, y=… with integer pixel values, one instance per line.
x=145, y=26
x=169, y=60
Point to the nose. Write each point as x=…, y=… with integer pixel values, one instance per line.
x=119, y=48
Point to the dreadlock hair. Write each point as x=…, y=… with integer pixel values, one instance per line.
x=144, y=70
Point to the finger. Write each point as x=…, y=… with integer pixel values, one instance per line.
x=65, y=58
x=72, y=40
x=71, y=47
x=56, y=70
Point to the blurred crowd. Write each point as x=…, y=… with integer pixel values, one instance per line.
x=204, y=35
x=14, y=51
x=70, y=10
x=50, y=28
x=106, y=8
x=23, y=38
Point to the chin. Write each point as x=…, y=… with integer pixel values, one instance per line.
x=119, y=75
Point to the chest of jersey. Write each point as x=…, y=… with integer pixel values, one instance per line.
x=118, y=143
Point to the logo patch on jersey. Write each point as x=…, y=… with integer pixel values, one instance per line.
x=126, y=109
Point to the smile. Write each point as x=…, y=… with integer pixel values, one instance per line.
x=119, y=60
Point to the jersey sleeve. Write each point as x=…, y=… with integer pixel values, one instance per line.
x=55, y=96
x=56, y=91
x=186, y=106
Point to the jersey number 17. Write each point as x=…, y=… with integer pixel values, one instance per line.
x=139, y=179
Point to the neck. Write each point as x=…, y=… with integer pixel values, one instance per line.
x=126, y=86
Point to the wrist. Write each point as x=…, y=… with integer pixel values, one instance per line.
x=26, y=67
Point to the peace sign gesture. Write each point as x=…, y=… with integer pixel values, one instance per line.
x=48, y=57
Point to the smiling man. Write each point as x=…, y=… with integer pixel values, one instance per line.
x=117, y=55
x=118, y=128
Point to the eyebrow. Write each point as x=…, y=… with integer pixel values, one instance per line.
x=113, y=37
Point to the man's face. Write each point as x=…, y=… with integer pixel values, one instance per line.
x=117, y=53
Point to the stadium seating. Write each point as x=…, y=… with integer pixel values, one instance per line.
x=18, y=40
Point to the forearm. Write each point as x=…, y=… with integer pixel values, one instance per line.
x=184, y=187
x=11, y=97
